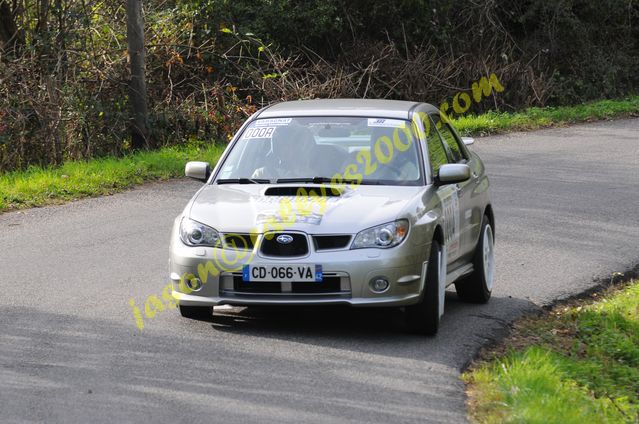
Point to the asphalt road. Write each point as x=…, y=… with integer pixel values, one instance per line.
x=567, y=210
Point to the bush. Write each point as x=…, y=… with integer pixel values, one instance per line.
x=211, y=63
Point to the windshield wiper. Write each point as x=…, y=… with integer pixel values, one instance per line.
x=322, y=180
x=243, y=181
x=314, y=180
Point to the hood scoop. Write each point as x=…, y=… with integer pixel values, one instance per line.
x=321, y=191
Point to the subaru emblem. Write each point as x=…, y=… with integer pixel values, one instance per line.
x=284, y=239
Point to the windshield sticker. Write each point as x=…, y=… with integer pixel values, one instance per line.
x=387, y=123
x=328, y=125
x=273, y=121
x=259, y=132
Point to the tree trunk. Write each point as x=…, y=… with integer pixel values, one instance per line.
x=10, y=38
x=137, y=85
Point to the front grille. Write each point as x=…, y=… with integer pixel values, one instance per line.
x=241, y=286
x=239, y=241
x=331, y=242
x=327, y=285
x=297, y=247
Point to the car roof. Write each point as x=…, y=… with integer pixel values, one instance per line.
x=397, y=109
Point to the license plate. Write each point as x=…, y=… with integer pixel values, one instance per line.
x=282, y=273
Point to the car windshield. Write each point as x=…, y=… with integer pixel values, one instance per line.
x=320, y=149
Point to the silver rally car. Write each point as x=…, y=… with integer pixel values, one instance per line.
x=358, y=202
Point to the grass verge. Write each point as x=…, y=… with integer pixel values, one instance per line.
x=576, y=364
x=533, y=118
x=40, y=186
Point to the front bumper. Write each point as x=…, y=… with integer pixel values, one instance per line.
x=347, y=274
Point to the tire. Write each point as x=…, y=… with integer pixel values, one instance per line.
x=423, y=317
x=477, y=287
x=200, y=313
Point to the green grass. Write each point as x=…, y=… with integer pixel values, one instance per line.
x=76, y=179
x=40, y=186
x=578, y=364
x=533, y=118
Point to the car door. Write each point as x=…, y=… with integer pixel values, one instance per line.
x=448, y=194
x=457, y=153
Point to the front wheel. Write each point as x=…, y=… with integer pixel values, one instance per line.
x=478, y=286
x=200, y=313
x=423, y=317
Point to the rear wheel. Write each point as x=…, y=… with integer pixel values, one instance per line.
x=200, y=313
x=478, y=286
x=423, y=317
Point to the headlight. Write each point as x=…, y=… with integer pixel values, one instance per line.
x=382, y=236
x=193, y=233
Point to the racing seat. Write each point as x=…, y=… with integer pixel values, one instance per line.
x=329, y=159
x=401, y=164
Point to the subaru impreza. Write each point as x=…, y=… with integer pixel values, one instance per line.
x=368, y=203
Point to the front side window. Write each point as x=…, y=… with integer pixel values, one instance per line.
x=436, y=150
x=371, y=150
x=452, y=143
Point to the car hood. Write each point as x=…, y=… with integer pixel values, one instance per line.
x=244, y=208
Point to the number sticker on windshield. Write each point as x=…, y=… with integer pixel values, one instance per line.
x=259, y=132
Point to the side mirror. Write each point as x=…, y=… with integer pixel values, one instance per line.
x=453, y=173
x=468, y=140
x=198, y=170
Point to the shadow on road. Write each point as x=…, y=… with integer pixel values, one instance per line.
x=376, y=330
x=254, y=364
